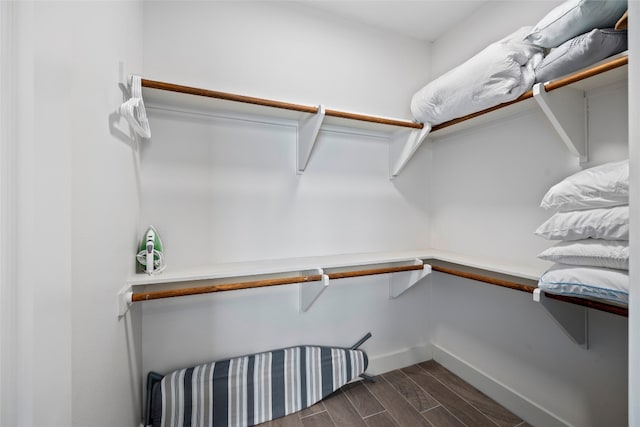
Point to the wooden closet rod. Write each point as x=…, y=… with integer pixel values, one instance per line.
x=369, y=272
x=585, y=74
x=495, y=279
x=549, y=86
x=145, y=296
x=153, y=84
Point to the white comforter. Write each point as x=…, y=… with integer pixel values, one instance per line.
x=501, y=72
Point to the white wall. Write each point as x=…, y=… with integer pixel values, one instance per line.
x=486, y=185
x=283, y=51
x=483, y=189
x=223, y=189
x=78, y=176
x=105, y=216
x=77, y=214
x=491, y=22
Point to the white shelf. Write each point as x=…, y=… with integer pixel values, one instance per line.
x=609, y=71
x=403, y=135
x=522, y=270
x=312, y=274
x=286, y=266
x=298, y=265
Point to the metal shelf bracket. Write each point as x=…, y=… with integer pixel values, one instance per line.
x=310, y=291
x=566, y=110
x=572, y=319
x=308, y=129
x=402, y=281
x=403, y=147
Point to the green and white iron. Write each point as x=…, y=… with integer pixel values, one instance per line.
x=150, y=256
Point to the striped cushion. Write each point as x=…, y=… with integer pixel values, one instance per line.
x=253, y=389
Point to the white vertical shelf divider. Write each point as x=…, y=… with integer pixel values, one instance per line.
x=566, y=110
x=572, y=319
x=308, y=130
x=402, y=281
x=402, y=147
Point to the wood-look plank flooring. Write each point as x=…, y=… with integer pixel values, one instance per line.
x=425, y=394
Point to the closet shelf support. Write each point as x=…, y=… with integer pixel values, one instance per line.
x=572, y=319
x=309, y=292
x=125, y=299
x=402, y=147
x=308, y=129
x=401, y=282
x=566, y=110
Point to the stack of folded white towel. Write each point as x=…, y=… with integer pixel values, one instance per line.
x=592, y=223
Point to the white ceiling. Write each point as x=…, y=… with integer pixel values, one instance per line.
x=419, y=19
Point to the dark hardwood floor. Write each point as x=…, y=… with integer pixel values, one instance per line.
x=426, y=394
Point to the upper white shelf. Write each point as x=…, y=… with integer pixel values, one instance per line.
x=603, y=73
x=158, y=93
x=403, y=135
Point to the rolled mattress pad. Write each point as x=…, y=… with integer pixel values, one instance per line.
x=499, y=73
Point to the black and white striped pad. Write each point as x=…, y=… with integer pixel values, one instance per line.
x=253, y=389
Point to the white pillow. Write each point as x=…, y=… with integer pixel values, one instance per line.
x=499, y=73
x=575, y=17
x=600, y=283
x=590, y=253
x=581, y=51
x=599, y=223
x=600, y=186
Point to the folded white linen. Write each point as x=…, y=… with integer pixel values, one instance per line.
x=501, y=72
x=587, y=282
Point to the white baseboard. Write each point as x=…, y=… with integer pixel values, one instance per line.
x=526, y=409
x=379, y=364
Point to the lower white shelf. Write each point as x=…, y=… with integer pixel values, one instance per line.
x=311, y=274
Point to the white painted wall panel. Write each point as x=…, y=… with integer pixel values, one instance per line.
x=105, y=211
x=486, y=185
x=283, y=51
x=186, y=331
x=224, y=190
x=489, y=23
x=78, y=211
x=505, y=335
x=221, y=190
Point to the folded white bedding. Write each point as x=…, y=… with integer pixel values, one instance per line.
x=501, y=72
x=587, y=282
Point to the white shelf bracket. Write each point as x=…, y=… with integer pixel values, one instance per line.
x=402, y=148
x=572, y=319
x=308, y=130
x=566, y=110
x=124, y=300
x=400, y=282
x=311, y=291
